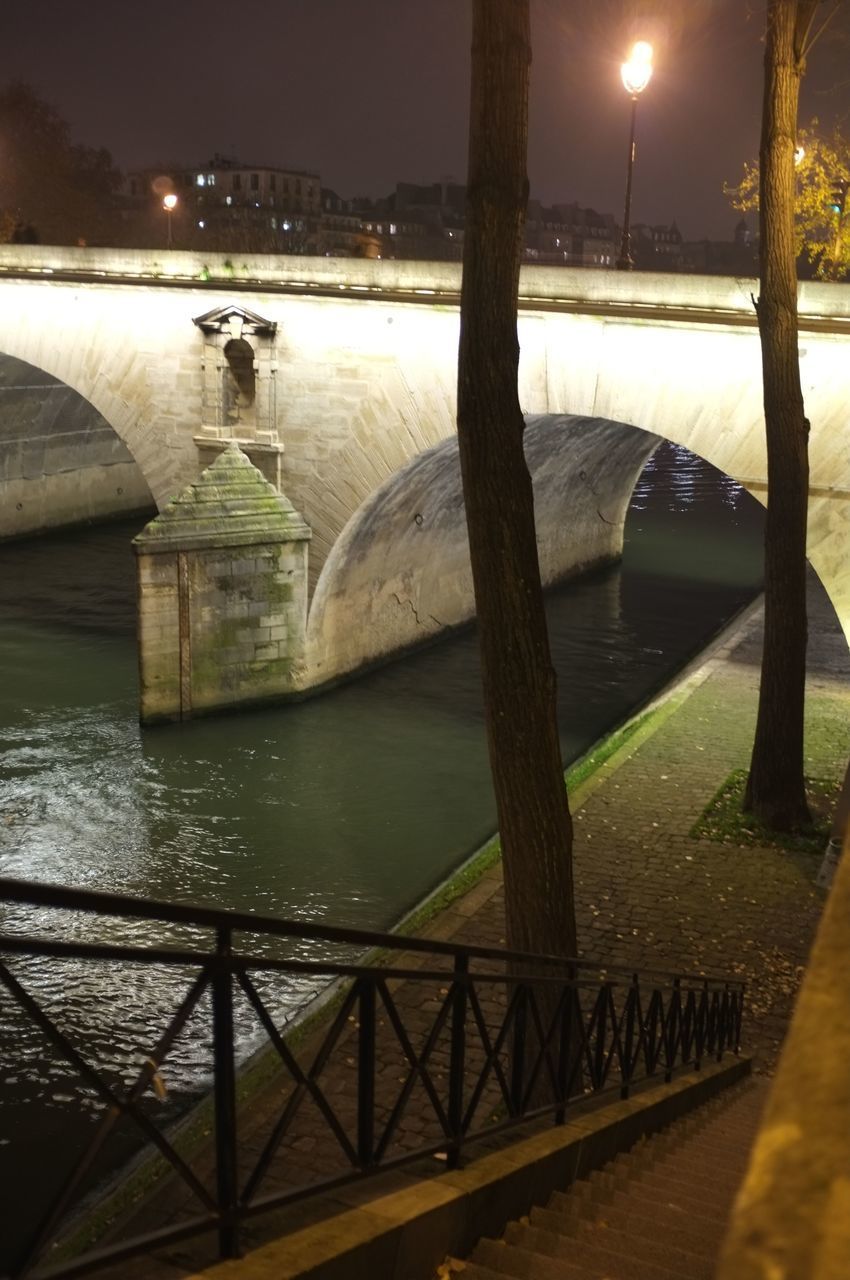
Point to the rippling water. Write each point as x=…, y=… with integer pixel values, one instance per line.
x=347, y=808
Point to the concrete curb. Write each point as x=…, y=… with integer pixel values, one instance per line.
x=405, y=1232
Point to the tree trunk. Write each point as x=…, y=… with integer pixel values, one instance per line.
x=775, y=787
x=519, y=680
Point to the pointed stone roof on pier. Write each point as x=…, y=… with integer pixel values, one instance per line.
x=230, y=504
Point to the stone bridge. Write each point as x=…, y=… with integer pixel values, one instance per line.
x=123, y=374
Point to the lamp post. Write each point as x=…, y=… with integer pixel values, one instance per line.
x=636, y=74
x=169, y=204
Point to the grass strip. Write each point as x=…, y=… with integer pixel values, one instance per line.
x=724, y=821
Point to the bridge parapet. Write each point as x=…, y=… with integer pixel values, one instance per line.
x=723, y=297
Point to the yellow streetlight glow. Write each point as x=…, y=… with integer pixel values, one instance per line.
x=169, y=202
x=637, y=72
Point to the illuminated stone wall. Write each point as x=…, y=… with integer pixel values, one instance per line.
x=364, y=365
x=60, y=461
x=222, y=590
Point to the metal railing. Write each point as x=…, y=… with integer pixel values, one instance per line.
x=426, y=1047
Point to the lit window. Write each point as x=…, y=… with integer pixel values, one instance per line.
x=286, y=224
x=210, y=179
x=393, y=228
x=200, y=180
x=228, y=199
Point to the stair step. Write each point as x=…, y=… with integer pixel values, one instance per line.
x=507, y=1260
x=705, y=1192
x=656, y=1212
x=645, y=1198
x=692, y=1196
x=685, y=1233
x=688, y=1165
x=693, y=1173
x=477, y=1271
x=628, y=1259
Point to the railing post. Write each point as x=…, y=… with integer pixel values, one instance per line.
x=739, y=1017
x=564, y=1047
x=672, y=1021
x=601, y=1032
x=457, y=1062
x=225, y=1097
x=519, y=1047
x=724, y=1031
x=366, y=1076
x=629, y=1047
x=700, y=1030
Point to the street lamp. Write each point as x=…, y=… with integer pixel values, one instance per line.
x=169, y=204
x=636, y=74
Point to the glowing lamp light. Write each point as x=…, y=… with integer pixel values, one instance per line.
x=637, y=72
x=169, y=204
x=799, y=155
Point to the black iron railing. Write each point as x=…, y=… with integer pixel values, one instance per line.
x=423, y=1049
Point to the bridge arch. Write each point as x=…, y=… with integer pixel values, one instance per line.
x=399, y=573
x=61, y=463
x=89, y=346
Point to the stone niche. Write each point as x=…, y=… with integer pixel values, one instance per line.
x=239, y=388
x=222, y=592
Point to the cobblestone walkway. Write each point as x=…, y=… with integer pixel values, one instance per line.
x=648, y=893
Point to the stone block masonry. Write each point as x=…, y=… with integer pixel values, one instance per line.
x=222, y=593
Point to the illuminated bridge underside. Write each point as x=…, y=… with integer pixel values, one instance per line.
x=361, y=359
x=401, y=566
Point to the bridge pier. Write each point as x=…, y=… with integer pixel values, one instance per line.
x=222, y=593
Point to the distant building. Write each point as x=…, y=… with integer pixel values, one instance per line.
x=736, y=257
x=226, y=204
x=569, y=235
x=657, y=248
x=428, y=222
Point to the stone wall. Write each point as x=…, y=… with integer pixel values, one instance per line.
x=400, y=573
x=222, y=590
x=60, y=462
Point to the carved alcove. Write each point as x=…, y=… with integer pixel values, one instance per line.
x=239, y=388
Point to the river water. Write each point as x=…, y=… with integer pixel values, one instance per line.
x=347, y=808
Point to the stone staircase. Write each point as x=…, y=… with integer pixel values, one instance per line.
x=658, y=1212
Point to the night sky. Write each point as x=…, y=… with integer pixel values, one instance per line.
x=370, y=92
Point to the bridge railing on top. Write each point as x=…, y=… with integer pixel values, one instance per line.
x=421, y=1047
x=680, y=298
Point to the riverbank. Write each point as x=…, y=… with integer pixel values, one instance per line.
x=649, y=894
